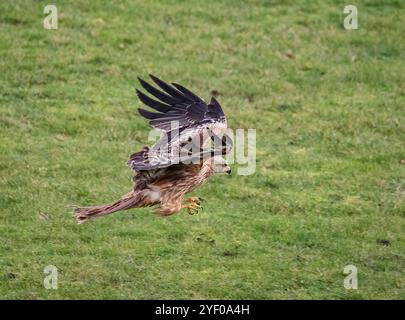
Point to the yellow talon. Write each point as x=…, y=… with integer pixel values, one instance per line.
x=194, y=206
x=196, y=200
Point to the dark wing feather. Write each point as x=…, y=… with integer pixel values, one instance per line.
x=158, y=94
x=187, y=93
x=167, y=88
x=157, y=105
x=176, y=103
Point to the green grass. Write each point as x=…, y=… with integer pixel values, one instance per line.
x=327, y=104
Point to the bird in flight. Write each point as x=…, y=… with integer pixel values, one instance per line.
x=189, y=151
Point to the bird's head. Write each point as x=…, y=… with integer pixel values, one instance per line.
x=220, y=165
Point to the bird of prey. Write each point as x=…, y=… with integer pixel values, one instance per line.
x=188, y=152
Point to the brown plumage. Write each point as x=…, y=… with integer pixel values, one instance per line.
x=163, y=178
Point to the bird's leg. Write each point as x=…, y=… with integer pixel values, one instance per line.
x=194, y=206
x=196, y=200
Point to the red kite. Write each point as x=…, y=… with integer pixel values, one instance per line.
x=179, y=162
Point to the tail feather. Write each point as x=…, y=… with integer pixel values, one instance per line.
x=83, y=214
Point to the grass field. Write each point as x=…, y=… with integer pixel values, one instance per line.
x=329, y=188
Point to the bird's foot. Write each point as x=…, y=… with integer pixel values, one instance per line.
x=196, y=200
x=194, y=206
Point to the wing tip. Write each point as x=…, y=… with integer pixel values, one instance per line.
x=153, y=77
x=144, y=113
x=216, y=106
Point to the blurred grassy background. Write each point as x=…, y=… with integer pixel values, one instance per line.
x=328, y=107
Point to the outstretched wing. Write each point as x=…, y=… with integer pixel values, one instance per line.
x=177, y=105
x=186, y=121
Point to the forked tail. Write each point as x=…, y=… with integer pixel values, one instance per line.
x=128, y=201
